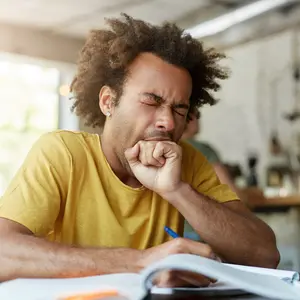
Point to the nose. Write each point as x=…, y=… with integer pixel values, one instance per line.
x=165, y=120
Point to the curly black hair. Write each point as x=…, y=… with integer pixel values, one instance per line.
x=107, y=54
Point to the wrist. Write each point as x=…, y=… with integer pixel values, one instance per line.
x=135, y=262
x=118, y=260
x=182, y=189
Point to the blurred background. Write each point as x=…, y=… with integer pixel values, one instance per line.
x=254, y=129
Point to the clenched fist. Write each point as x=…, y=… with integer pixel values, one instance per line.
x=156, y=164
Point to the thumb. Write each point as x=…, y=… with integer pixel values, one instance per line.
x=132, y=154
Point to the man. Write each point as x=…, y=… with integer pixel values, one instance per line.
x=83, y=205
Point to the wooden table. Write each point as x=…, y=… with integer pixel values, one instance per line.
x=256, y=201
x=293, y=200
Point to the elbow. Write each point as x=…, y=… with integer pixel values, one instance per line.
x=268, y=256
x=273, y=259
x=272, y=255
x=266, y=253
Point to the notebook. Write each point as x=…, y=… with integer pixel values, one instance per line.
x=232, y=280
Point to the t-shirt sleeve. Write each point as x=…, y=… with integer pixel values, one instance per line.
x=202, y=176
x=35, y=194
x=208, y=183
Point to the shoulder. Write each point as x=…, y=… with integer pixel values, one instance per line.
x=62, y=147
x=65, y=141
x=195, y=166
x=207, y=150
x=199, y=172
x=190, y=149
x=68, y=137
x=191, y=157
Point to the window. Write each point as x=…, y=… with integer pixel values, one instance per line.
x=29, y=107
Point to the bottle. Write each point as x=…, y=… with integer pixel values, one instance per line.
x=252, y=179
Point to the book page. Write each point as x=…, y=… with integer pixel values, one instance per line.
x=128, y=285
x=273, y=272
x=253, y=282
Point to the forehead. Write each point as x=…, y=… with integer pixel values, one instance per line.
x=149, y=73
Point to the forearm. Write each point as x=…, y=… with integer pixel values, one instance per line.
x=28, y=256
x=235, y=237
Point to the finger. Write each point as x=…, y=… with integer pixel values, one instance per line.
x=181, y=279
x=168, y=279
x=146, y=155
x=168, y=150
x=132, y=154
x=158, y=152
x=150, y=157
x=194, y=279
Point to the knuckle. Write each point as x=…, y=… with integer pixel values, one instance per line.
x=160, y=145
x=178, y=245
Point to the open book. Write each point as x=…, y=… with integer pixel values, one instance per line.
x=232, y=280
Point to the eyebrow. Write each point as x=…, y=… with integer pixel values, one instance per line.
x=160, y=99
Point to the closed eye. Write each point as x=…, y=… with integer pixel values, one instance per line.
x=180, y=113
x=151, y=99
x=181, y=109
x=150, y=102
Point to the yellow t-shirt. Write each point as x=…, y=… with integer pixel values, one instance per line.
x=66, y=191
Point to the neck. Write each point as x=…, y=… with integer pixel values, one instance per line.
x=118, y=162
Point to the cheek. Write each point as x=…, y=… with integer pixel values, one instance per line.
x=145, y=116
x=127, y=127
x=180, y=122
x=179, y=131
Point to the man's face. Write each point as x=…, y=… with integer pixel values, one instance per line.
x=154, y=103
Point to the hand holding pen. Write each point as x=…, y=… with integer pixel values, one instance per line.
x=174, y=235
x=177, y=245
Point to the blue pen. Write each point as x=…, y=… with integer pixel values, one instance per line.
x=171, y=233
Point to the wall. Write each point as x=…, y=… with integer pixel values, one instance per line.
x=253, y=100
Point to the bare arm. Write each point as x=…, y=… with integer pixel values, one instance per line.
x=230, y=229
x=24, y=255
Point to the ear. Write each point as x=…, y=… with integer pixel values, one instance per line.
x=106, y=100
